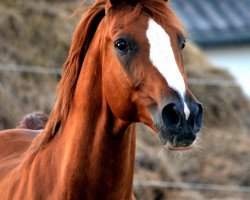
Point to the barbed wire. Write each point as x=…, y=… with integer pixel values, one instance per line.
x=190, y=186
x=57, y=71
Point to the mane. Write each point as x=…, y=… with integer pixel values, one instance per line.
x=160, y=11
x=82, y=37
x=157, y=9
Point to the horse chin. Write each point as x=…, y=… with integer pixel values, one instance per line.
x=177, y=142
x=170, y=147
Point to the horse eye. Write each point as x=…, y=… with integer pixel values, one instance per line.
x=183, y=44
x=121, y=45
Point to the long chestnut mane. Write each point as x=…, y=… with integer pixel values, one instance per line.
x=157, y=9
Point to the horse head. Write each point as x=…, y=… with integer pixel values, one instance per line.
x=143, y=74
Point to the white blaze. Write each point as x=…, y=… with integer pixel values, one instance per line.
x=162, y=57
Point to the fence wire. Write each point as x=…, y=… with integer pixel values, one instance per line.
x=147, y=184
x=190, y=186
x=58, y=71
x=30, y=69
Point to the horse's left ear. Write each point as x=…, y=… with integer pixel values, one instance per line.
x=115, y=3
x=119, y=2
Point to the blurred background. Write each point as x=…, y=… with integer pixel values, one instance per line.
x=34, y=41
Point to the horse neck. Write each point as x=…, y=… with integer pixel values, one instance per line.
x=98, y=149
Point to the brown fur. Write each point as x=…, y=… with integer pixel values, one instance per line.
x=87, y=149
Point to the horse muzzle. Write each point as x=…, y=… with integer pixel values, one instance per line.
x=178, y=125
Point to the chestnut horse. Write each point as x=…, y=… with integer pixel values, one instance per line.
x=124, y=66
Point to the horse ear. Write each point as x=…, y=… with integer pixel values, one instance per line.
x=115, y=3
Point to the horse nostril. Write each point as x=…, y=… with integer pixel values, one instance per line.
x=170, y=115
x=197, y=122
x=192, y=122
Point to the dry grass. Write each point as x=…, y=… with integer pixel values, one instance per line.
x=31, y=33
x=21, y=94
x=222, y=159
x=36, y=33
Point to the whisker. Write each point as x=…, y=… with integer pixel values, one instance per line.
x=199, y=148
x=161, y=151
x=197, y=144
x=181, y=155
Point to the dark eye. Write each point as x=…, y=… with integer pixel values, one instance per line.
x=121, y=45
x=183, y=44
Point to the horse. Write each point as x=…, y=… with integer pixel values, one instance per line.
x=124, y=66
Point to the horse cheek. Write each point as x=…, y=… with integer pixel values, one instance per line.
x=117, y=92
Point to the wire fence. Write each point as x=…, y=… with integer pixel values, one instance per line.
x=57, y=72
x=190, y=186
x=147, y=184
x=30, y=69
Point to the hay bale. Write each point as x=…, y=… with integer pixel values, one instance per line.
x=21, y=94
x=35, y=33
x=223, y=105
x=31, y=33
